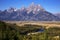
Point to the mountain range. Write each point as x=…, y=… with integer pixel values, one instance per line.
x=31, y=13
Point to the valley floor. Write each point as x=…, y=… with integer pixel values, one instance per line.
x=47, y=24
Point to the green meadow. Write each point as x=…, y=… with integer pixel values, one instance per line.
x=10, y=31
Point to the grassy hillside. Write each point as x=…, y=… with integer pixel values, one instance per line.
x=28, y=32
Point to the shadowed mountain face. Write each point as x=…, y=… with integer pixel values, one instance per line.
x=31, y=13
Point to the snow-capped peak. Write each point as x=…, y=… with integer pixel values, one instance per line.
x=40, y=7
x=32, y=4
x=11, y=9
x=34, y=8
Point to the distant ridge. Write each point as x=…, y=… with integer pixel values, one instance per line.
x=57, y=14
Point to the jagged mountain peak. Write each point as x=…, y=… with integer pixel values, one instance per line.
x=22, y=8
x=32, y=4
x=35, y=8
x=38, y=6
x=11, y=9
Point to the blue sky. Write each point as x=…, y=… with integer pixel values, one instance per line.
x=52, y=6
